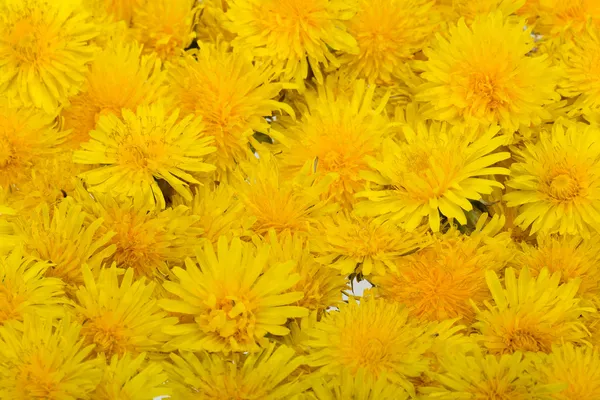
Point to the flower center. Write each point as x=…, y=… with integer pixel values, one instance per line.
x=106, y=332
x=372, y=354
x=26, y=42
x=7, y=152
x=522, y=340
x=133, y=156
x=564, y=187
x=485, y=88
x=232, y=318
x=35, y=380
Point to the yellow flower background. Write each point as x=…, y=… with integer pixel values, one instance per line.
x=300, y=199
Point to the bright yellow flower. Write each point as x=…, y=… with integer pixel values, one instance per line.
x=132, y=379
x=372, y=335
x=120, y=77
x=322, y=286
x=484, y=74
x=44, y=51
x=572, y=256
x=45, y=359
x=292, y=34
x=211, y=22
x=389, y=33
x=577, y=367
x=444, y=279
x=479, y=376
x=142, y=146
x=236, y=296
x=559, y=16
x=369, y=246
x=580, y=61
x=116, y=10
x=232, y=94
x=356, y=387
x=436, y=169
x=25, y=290
x=470, y=10
x=147, y=240
x=26, y=136
x=62, y=236
x=530, y=314
x=273, y=202
x=557, y=182
x=120, y=314
x=165, y=26
x=336, y=133
x=265, y=375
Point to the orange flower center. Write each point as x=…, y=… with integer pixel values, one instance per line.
x=523, y=340
x=564, y=187
x=231, y=317
x=6, y=152
x=107, y=333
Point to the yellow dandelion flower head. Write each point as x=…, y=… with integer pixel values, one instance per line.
x=322, y=286
x=25, y=290
x=578, y=368
x=361, y=386
x=336, y=133
x=267, y=374
x=45, y=358
x=480, y=376
x=558, y=17
x=132, y=378
x=372, y=335
x=147, y=240
x=434, y=170
x=165, y=27
x=219, y=212
x=26, y=136
x=389, y=33
x=273, y=202
x=236, y=296
x=579, y=61
x=232, y=94
x=443, y=279
x=142, y=146
x=120, y=314
x=555, y=182
x=530, y=314
x=366, y=245
x=44, y=51
x=62, y=236
x=483, y=74
x=572, y=256
x=120, y=77
x=292, y=34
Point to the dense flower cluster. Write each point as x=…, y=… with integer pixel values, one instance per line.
x=300, y=199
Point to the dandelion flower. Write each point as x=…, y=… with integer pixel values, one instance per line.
x=273, y=202
x=470, y=10
x=219, y=211
x=346, y=242
x=480, y=376
x=120, y=77
x=120, y=317
x=359, y=387
x=46, y=359
x=483, y=74
x=265, y=375
x=233, y=95
x=442, y=280
x=336, y=134
x=165, y=26
x=142, y=146
x=131, y=378
x=559, y=16
x=26, y=136
x=389, y=33
x=375, y=336
x=556, y=182
x=581, y=77
x=572, y=256
x=25, y=290
x=436, y=169
x=235, y=296
x=44, y=51
x=577, y=367
x=116, y=10
x=146, y=239
x=530, y=314
x=322, y=286
x=292, y=35
x=61, y=236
